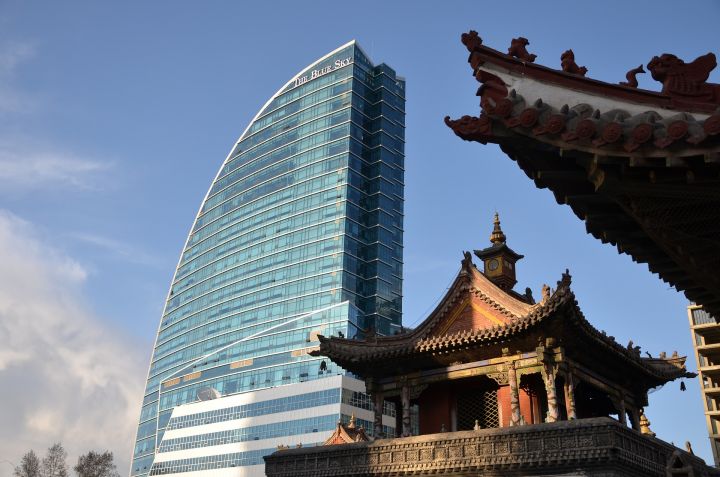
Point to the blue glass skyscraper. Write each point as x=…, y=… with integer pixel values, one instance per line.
x=300, y=234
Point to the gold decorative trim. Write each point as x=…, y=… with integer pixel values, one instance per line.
x=191, y=376
x=241, y=364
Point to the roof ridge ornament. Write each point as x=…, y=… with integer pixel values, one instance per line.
x=687, y=81
x=517, y=49
x=565, y=280
x=546, y=293
x=563, y=286
x=567, y=62
x=466, y=262
x=471, y=40
x=497, y=236
x=631, y=77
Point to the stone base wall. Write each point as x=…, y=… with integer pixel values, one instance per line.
x=599, y=447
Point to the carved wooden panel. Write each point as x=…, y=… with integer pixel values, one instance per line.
x=591, y=447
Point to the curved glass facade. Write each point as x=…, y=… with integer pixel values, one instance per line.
x=300, y=234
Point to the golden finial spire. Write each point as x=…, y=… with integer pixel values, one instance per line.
x=497, y=235
x=351, y=424
x=645, y=424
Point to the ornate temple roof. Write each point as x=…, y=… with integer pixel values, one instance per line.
x=640, y=167
x=347, y=433
x=447, y=331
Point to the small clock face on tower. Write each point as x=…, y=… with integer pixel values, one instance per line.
x=493, y=265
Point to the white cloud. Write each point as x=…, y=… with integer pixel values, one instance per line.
x=26, y=164
x=117, y=248
x=64, y=375
x=12, y=54
x=22, y=169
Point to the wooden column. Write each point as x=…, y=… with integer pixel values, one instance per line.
x=634, y=418
x=398, y=419
x=378, y=413
x=405, y=404
x=552, y=413
x=622, y=416
x=570, y=396
x=515, y=417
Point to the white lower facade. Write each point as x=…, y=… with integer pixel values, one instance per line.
x=228, y=436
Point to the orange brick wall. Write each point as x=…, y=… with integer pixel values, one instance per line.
x=472, y=319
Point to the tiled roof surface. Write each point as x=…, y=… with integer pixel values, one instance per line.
x=560, y=305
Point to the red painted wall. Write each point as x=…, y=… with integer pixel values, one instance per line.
x=528, y=408
x=435, y=410
x=503, y=395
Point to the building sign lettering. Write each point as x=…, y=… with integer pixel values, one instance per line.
x=300, y=80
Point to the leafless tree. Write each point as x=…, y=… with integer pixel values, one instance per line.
x=95, y=464
x=55, y=462
x=29, y=466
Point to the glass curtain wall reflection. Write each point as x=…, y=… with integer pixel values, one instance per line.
x=300, y=235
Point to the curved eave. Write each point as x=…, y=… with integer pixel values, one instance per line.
x=657, y=369
x=487, y=252
x=640, y=168
x=363, y=357
x=481, y=55
x=356, y=355
x=469, y=280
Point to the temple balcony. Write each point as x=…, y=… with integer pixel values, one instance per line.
x=588, y=447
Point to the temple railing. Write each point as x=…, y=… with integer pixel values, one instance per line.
x=598, y=446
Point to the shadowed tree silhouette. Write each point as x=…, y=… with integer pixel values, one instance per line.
x=55, y=462
x=95, y=464
x=29, y=466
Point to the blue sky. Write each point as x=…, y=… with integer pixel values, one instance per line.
x=114, y=118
